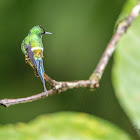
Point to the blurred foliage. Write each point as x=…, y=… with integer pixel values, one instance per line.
x=127, y=9
x=81, y=30
x=126, y=71
x=63, y=126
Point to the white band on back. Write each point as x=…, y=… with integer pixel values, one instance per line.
x=36, y=48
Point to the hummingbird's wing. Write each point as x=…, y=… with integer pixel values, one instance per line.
x=29, y=58
x=30, y=53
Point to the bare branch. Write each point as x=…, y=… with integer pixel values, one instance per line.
x=58, y=87
x=121, y=29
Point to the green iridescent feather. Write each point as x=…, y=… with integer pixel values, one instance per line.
x=34, y=38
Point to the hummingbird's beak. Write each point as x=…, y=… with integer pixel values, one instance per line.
x=48, y=33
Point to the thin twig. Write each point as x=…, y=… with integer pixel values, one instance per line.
x=121, y=29
x=58, y=87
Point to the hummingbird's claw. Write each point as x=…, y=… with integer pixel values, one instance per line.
x=26, y=58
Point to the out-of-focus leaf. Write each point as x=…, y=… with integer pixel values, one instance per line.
x=63, y=126
x=127, y=9
x=126, y=70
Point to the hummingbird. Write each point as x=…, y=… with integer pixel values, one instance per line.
x=32, y=48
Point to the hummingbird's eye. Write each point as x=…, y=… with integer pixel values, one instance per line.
x=43, y=31
x=40, y=26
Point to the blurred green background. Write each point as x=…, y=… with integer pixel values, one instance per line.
x=81, y=30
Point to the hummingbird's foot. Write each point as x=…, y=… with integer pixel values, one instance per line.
x=26, y=58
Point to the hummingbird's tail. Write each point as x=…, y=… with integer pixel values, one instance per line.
x=40, y=70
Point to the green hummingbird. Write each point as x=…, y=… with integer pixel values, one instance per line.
x=32, y=48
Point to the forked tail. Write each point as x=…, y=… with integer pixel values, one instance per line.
x=40, y=70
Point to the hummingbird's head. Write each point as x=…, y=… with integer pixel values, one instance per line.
x=38, y=30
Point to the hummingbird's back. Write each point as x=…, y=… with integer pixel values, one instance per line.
x=35, y=43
